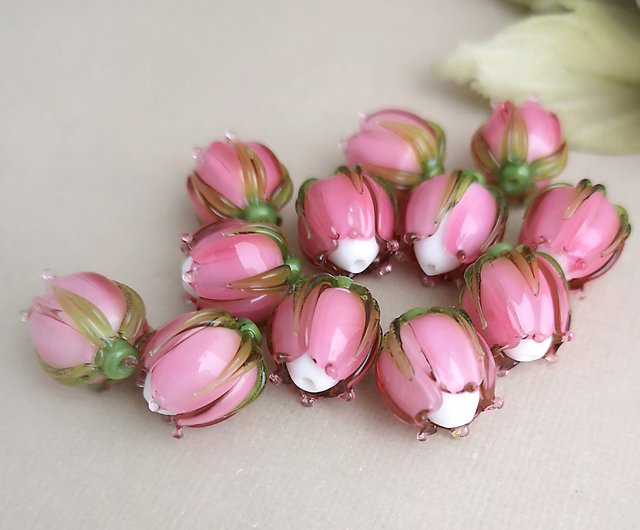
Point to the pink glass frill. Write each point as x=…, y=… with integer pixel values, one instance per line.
x=325, y=336
x=520, y=148
x=451, y=220
x=518, y=301
x=84, y=328
x=234, y=179
x=244, y=268
x=436, y=371
x=346, y=222
x=579, y=227
x=202, y=368
x=398, y=146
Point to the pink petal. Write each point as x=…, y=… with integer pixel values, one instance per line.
x=58, y=344
x=382, y=148
x=338, y=325
x=271, y=165
x=100, y=291
x=423, y=206
x=220, y=169
x=448, y=349
x=182, y=373
x=471, y=222
x=228, y=403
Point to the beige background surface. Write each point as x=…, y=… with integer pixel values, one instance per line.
x=101, y=104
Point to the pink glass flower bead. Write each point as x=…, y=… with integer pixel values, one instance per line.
x=519, y=303
x=84, y=328
x=233, y=179
x=202, y=368
x=521, y=148
x=579, y=227
x=325, y=336
x=346, y=222
x=451, y=219
x=244, y=268
x=398, y=146
x=436, y=371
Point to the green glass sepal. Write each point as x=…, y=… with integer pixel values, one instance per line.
x=432, y=168
x=344, y=281
x=498, y=249
x=293, y=262
x=413, y=313
x=82, y=374
x=258, y=387
x=249, y=327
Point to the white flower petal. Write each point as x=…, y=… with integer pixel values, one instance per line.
x=541, y=5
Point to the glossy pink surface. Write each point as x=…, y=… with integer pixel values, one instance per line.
x=55, y=336
x=202, y=213
x=577, y=241
x=470, y=222
x=221, y=258
x=190, y=372
x=219, y=167
x=226, y=405
x=59, y=344
x=271, y=166
x=257, y=308
x=191, y=365
x=331, y=329
x=334, y=210
x=513, y=310
x=443, y=358
x=376, y=145
x=232, y=174
x=544, y=133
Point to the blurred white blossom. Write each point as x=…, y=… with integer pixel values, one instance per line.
x=582, y=63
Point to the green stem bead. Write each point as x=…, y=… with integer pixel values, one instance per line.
x=119, y=359
x=515, y=177
x=259, y=212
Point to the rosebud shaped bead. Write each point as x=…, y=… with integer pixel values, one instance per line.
x=84, y=329
x=451, y=219
x=519, y=302
x=398, y=146
x=436, y=371
x=521, y=148
x=244, y=268
x=325, y=336
x=202, y=368
x=346, y=222
x=234, y=179
x=579, y=227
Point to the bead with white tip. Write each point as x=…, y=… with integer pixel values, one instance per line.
x=529, y=350
x=433, y=257
x=355, y=255
x=308, y=376
x=187, y=266
x=456, y=409
x=154, y=406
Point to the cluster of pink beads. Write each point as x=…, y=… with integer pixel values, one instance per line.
x=435, y=367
